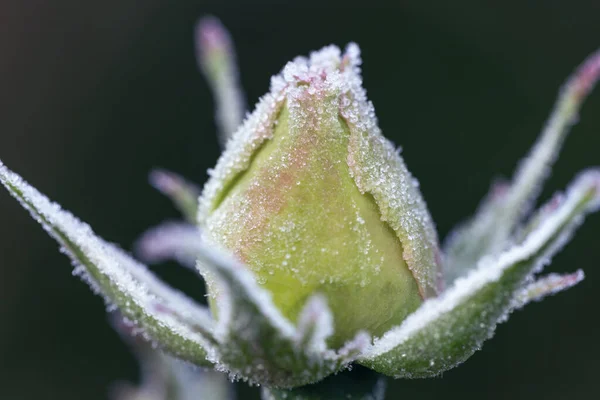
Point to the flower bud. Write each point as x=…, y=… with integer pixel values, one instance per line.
x=312, y=198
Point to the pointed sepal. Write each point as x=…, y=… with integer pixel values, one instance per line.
x=169, y=241
x=216, y=56
x=164, y=377
x=501, y=213
x=163, y=315
x=447, y=330
x=548, y=285
x=182, y=192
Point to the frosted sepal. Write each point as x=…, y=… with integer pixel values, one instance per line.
x=501, y=214
x=357, y=384
x=169, y=241
x=163, y=315
x=447, y=330
x=217, y=60
x=183, y=193
x=548, y=285
x=257, y=343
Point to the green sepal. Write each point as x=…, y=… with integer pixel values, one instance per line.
x=447, y=330
x=163, y=315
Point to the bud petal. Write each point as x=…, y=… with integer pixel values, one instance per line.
x=312, y=198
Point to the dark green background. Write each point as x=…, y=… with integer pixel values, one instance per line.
x=94, y=94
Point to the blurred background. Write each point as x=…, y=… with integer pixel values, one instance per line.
x=95, y=94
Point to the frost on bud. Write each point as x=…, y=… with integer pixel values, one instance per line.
x=312, y=198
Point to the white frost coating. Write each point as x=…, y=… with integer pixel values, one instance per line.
x=169, y=308
x=548, y=285
x=217, y=60
x=169, y=241
x=489, y=270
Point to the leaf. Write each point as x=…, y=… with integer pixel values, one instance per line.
x=216, y=56
x=357, y=384
x=447, y=330
x=256, y=342
x=502, y=211
x=165, y=316
x=183, y=193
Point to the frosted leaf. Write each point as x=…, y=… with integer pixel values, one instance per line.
x=169, y=241
x=217, y=60
x=447, y=330
x=163, y=315
x=547, y=286
x=183, y=193
x=356, y=384
x=501, y=213
x=260, y=345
